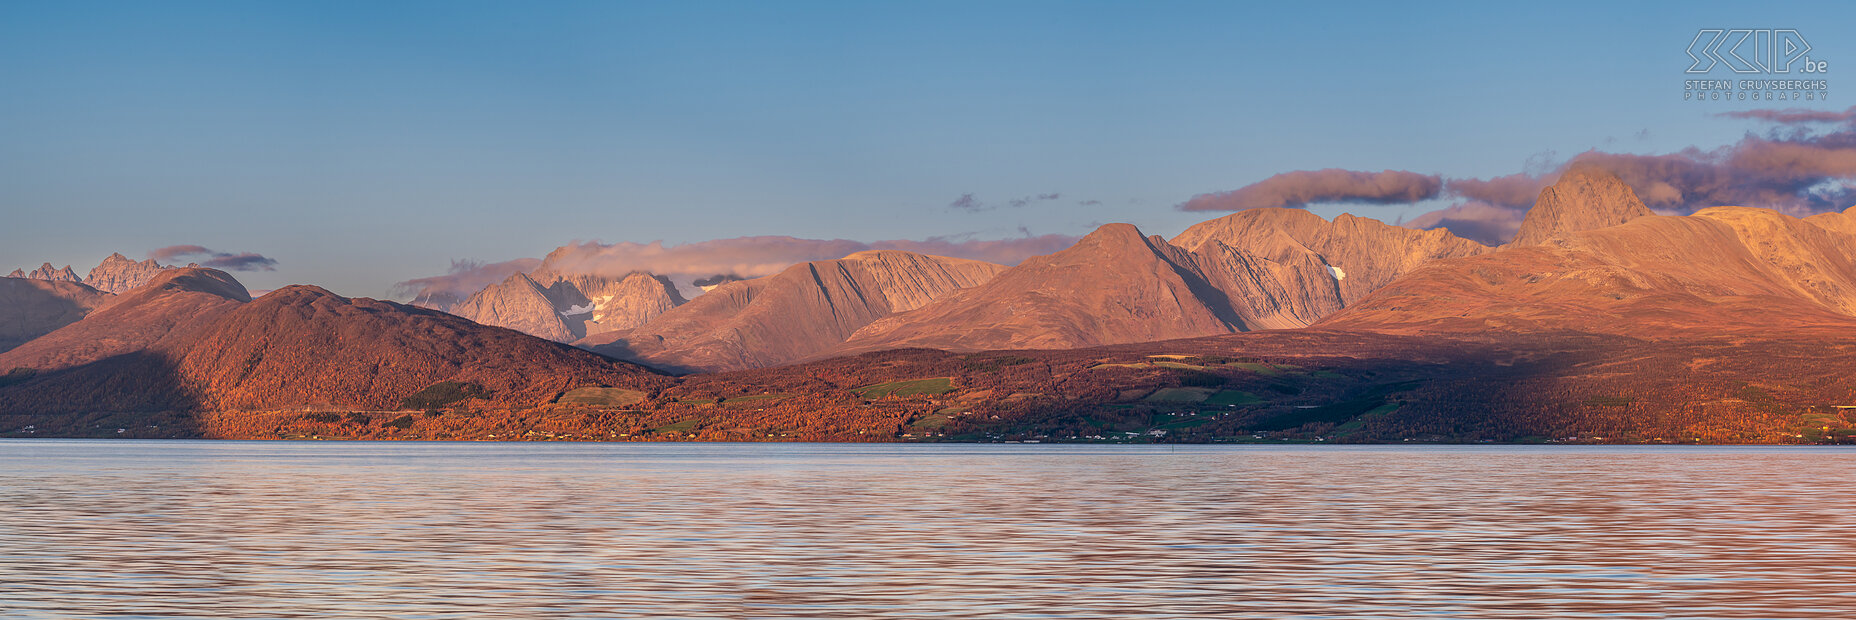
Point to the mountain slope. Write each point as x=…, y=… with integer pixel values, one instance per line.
x=1725, y=269
x=192, y=340
x=303, y=345
x=1255, y=269
x=1844, y=222
x=803, y=310
x=1113, y=286
x=31, y=308
x=176, y=300
x=1320, y=266
x=518, y=303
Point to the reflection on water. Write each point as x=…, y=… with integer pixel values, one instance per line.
x=236, y=529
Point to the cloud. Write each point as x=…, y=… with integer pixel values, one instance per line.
x=242, y=261
x=1475, y=220
x=709, y=261
x=169, y=253
x=744, y=256
x=1518, y=190
x=971, y=204
x=1795, y=116
x=1797, y=175
x=463, y=279
x=1303, y=187
x=1002, y=251
x=1798, y=167
x=717, y=279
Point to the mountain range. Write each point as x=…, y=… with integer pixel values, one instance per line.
x=802, y=311
x=1602, y=319
x=114, y=275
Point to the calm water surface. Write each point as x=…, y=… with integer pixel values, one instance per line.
x=112, y=529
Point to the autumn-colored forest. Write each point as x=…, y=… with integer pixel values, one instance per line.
x=1299, y=385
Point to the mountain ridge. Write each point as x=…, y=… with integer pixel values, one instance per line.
x=802, y=310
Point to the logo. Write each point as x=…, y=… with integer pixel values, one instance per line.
x=1773, y=51
x=1767, y=51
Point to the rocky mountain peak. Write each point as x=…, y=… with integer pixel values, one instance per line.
x=567, y=307
x=628, y=302
x=1584, y=198
x=117, y=273
x=46, y=272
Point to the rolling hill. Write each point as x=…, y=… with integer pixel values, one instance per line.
x=193, y=340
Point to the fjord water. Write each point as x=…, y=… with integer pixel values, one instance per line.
x=100, y=529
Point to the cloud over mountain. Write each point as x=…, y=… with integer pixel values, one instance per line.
x=1475, y=220
x=1795, y=116
x=465, y=277
x=1303, y=187
x=241, y=261
x=168, y=254
x=1804, y=164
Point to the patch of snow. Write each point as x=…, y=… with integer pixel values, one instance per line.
x=573, y=310
x=1337, y=272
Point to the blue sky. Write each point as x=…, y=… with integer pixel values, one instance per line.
x=364, y=143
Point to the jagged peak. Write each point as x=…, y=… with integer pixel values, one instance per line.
x=1585, y=197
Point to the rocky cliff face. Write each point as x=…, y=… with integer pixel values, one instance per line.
x=570, y=307
x=804, y=310
x=518, y=303
x=627, y=303
x=117, y=273
x=1584, y=198
x=1313, y=266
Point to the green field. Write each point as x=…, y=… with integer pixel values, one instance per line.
x=602, y=396
x=443, y=394
x=1360, y=422
x=1180, y=395
x=1261, y=369
x=929, y=422
x=1233, y=397
x=903, y=389
x=679, y=427
x=1179, y=366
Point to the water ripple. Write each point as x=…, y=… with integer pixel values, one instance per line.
x=124, y=529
